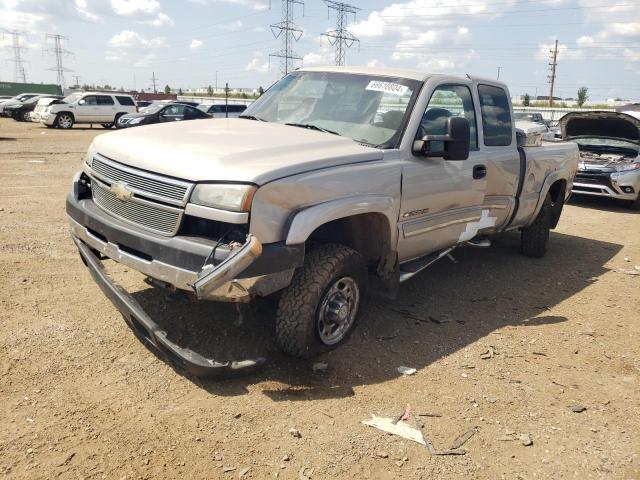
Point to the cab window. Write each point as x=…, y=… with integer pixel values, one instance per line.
x=448, y=101
x=496, y=116
x=89, y=100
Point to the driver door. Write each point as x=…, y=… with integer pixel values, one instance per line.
x=86, y=110
x=442, y=199
x=173, y=113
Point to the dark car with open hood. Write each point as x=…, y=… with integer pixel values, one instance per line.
x=609, y=144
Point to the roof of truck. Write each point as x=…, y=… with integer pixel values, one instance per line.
x=400, y=72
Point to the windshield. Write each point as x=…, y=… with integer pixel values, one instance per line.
x=369, y=109
x=73, y=98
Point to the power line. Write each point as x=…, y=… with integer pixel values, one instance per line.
x=288, y=32
x=59, y=53
x=552, y=78
x=341, y=38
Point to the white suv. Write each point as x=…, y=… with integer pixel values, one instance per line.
x=88, y=107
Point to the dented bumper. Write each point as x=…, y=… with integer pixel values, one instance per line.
x=150, y=333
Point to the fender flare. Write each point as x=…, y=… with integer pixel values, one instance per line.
x=552, y=178
x=306, y=221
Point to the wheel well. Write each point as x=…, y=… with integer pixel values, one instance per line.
x=557, y=193
x=368, y=233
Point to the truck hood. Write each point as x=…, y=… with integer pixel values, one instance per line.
x=605, y=125
x=237, y=150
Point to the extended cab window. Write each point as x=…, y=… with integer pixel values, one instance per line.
x=496, y=116
x=448, y=101
x=105, y=100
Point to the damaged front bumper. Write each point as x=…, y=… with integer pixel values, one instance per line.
x=153, y=335
x=619, y=185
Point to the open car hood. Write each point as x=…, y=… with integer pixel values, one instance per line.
x=608, y=125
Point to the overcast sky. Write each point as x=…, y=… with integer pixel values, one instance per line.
x=122, y=42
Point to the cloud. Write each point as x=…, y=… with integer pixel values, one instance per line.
x=148, y=12
x=260, y=5
x=34, y=15
x=131, y=47
x=257, y=64
x=195, y=44
x=232, y=27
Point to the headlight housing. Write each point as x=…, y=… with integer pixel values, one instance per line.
x=627, y=167
x=233, y=197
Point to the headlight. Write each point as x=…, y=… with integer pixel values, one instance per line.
x=136, y=120
x=236, y=198
x=627, y=167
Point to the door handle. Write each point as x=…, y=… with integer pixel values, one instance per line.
x=479, y=171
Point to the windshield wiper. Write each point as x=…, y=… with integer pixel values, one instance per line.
x=252, y=117
x=312, y=127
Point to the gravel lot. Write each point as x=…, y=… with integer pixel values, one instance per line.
x=81, y=397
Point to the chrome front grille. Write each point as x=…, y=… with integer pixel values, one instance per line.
x=149, y=215
x=144, y=184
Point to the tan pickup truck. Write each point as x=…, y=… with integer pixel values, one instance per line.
x=335, y=177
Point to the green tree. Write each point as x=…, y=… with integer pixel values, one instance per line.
x=260, y=91
x=210, y=91
x=167, y=89
x=582, y=96
x=526, y=101
x=179, y=91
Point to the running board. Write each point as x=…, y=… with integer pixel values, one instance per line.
x=409, y=269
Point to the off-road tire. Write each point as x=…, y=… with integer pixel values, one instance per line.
x=534, y=238
x=296, y=332
x=59, y=121
x=634, y=204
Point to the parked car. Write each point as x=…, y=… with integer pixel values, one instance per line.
x=13, y=100
x=609, y=144
x=40, y=108
x=158, y=113
x=88, y=107
x=530, y=116
x=332, y=176
x=218, y=110
x=143, y=103
x=21, y=112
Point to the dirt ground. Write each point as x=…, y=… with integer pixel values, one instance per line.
x=82, y=397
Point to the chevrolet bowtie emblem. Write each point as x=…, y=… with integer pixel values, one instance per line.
x=121, y=191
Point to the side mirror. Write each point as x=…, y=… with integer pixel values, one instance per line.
x=456, y=141
x=82, y=102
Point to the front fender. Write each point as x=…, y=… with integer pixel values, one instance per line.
x=306, y=221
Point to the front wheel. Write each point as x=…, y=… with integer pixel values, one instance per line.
x=634, y=204
x=64, y=120
x=318, y=311
x=534, y=238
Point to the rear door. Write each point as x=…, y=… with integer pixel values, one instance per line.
x=106, y=109
x=442, y=200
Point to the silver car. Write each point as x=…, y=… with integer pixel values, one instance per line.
x=609, y=145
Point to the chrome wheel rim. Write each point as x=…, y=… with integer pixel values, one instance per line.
x=338, y=310
x=65, y=121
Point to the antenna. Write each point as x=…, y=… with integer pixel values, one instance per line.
x=552, y=77
x=59, y=53
x=341, y=38
x=288, y=32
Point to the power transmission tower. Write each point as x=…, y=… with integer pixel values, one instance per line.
x=288, y=32
x=59, y=53
x=552, y=77
x=18, y=67
x=341, y=38
x=154, y=80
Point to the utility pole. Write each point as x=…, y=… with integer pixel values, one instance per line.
x=77, y=79
x=552, y=77
x=59, y=53
x=499, y=68
x=341, y=38
x=18, y=67
x=154, y=80
x=215, y=92
x=288, y=32
x=226, y=100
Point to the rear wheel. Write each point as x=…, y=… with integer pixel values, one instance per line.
x=318, y=311
x=107, y=125
x=64, y=120
x=534, y=238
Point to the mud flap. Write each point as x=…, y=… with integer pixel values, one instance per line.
x=153, y=336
